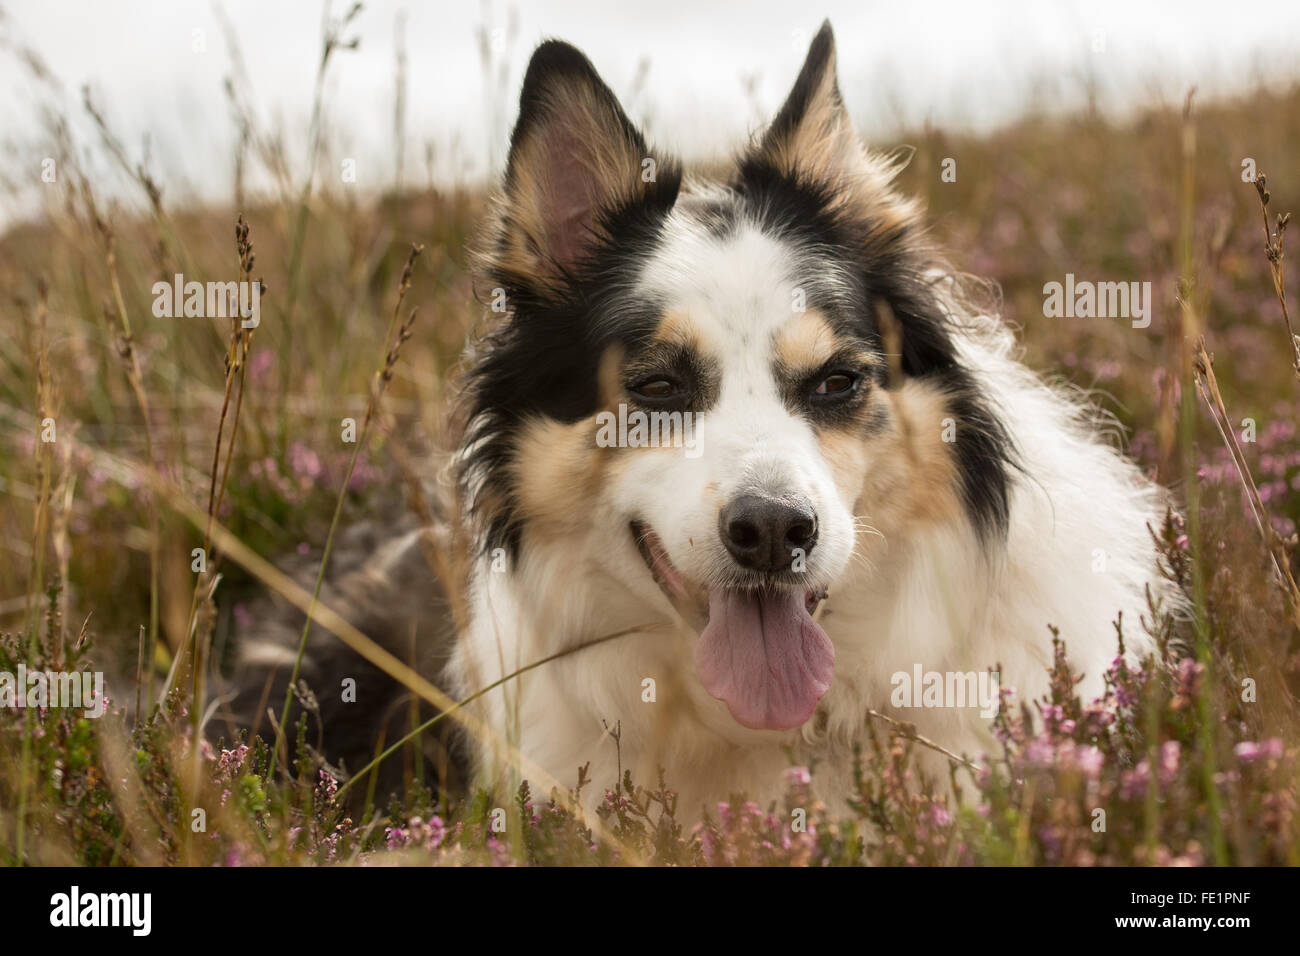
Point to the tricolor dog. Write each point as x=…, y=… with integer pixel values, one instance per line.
x=859, y=480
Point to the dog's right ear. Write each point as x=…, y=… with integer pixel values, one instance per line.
x=812, y=136
x=575, y=160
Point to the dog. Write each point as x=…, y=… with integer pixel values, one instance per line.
x=743, y=462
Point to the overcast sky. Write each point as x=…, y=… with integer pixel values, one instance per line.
x=709, y=70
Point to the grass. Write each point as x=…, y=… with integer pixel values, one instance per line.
x=177, y=434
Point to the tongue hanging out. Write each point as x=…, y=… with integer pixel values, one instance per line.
x=765, y=657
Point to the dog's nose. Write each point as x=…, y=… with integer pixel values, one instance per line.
x=763, y=533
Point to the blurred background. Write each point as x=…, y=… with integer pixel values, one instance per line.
x=698, y=75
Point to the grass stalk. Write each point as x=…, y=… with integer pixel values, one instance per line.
x=36, y=576
x=1190, y=333
x=393, y=341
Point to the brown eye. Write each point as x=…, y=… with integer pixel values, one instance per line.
x=837, y=384
x=657, y=389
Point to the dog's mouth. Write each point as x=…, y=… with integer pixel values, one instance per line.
x=760, y=652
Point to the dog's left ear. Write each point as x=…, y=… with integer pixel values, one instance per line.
x=575, y=160
x=812, y=137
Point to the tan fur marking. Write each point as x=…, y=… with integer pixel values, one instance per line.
x=905, y=474
x=609, y=377
x=824, y=140
x=824, y=147
x=557, y=474
x=558, y=468
x=846, y=454
x=932, y=470
x=806, y=341
x=679, y=328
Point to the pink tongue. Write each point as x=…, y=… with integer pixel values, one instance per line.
x=763, y=655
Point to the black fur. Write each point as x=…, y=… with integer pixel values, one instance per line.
x=544, y=360
x=820, y=59
x=402, y=607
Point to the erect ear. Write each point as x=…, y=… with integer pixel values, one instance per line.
x=575, y=157
x=812, y=136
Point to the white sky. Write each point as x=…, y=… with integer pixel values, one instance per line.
x=956, y=64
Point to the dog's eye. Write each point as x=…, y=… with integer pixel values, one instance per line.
x=656, y=390
x=837, y=384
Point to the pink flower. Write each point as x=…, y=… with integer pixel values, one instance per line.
x=1170, y=752
x=258, y=366
x=1249, y=751
x=304, y=463
x=1090, y=760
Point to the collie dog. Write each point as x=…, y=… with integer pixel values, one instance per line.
x=742, y=462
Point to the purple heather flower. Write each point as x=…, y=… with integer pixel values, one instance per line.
x=1170, y=752
x=1090, y=760
x=304, y=463
x=1250, y=751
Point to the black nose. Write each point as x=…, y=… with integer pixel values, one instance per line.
x=763, y=533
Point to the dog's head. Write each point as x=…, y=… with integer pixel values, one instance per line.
x=717, y=391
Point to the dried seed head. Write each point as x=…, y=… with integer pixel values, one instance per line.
x=123, y=339
x=1260, y=180
x=244, y=246
x=403, y=334
x=405, y=282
